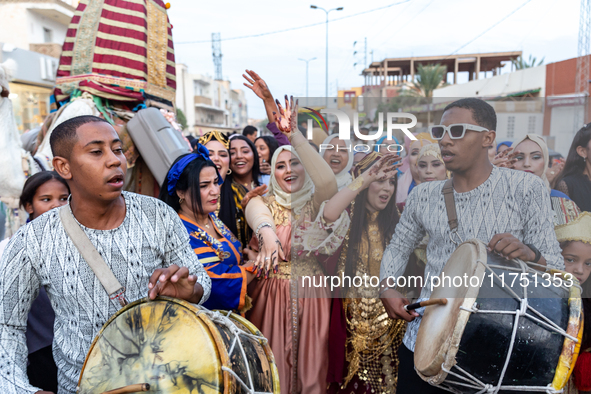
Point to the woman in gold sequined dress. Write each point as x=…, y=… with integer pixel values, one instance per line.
x=360, y=327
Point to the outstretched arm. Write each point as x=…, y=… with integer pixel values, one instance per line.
x=260, y=88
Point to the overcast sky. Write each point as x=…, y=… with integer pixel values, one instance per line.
x=542, y=28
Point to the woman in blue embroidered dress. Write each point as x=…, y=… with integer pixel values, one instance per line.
x=192, y=189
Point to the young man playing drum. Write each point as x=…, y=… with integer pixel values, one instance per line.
x=141, y=240
x=508, y=210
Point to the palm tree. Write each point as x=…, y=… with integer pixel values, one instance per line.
x=428, y=78
x=520, y=63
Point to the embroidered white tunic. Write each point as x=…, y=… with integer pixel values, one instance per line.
x=41, y=254
x=509, y=201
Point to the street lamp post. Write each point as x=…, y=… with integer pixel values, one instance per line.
x=326, y=76
x=307, y=61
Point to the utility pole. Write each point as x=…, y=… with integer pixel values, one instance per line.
x=365, y=59
x=326, y=74
x=216, y=48
x=307, y=61
x=582, y=78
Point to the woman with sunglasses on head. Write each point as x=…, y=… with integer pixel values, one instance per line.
x=575, y=180
x=41, y=193
x=294, y=317
x=532, y=156
x=192, y=189
x=266, y=147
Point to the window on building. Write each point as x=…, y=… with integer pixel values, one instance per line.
x=47, y=36
x=511, y=127
x=531, y=125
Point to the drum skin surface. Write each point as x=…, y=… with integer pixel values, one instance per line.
x=175, y=347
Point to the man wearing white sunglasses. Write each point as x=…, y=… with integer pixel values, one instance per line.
x=508, y=210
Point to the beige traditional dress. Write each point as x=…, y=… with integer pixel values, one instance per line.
x=292, y=315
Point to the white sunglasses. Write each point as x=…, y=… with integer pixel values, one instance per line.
x=455, y=131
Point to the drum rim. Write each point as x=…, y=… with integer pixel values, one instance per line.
x=224, y=357
x=452, y=344
x=570, y=349
x=266, y=347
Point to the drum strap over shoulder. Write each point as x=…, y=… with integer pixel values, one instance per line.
x=92, y=256
x=450, y=207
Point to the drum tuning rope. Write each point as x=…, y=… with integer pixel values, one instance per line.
x=226, y=322
x=524, y=310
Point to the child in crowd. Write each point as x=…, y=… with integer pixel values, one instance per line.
x=42, y=192
x=575, y=242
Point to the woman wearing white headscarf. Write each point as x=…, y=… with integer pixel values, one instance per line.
x=294, y=318
x=339, y=156
x=532, y=156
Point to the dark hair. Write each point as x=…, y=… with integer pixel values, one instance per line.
x=188, y=181
x=34, y=182
x=387, y=221
x=271, y=143
x=483, y=113
x=249, y=130
x=574, y=164
x=63, y=137
x=256, y=167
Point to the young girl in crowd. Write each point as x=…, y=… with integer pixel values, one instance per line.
x=42, y=192
x=575, y=241
x=192, y=189
x=295, y=320
x=266, y=147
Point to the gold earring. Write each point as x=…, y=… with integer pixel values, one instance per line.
x=181, y=201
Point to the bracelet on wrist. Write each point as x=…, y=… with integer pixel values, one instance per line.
x=260, y=226
x=538, y=254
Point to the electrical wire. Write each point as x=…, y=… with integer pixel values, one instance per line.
x=293, y=28
x=490, y=28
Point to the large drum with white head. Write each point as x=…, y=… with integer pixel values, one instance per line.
x=513, y=329
x=172, y=346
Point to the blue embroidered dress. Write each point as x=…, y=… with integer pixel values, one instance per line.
x=221, y=259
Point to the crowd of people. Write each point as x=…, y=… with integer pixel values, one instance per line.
x=240, y=221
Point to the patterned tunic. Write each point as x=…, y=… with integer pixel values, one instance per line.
x=509, y=201
x=41, y=254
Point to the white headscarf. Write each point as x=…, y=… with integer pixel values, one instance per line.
x=546, y=156
x=294, y=201
x=343, y=177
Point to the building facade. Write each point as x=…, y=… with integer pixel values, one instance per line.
x=209, y=104
x=32, y=35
